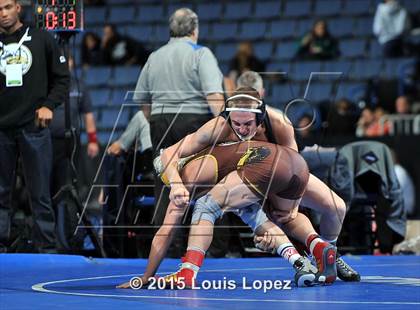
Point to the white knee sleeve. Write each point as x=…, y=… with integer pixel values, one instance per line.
x=206, y=208
x=252, y=215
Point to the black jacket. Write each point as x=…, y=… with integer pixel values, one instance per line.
x=45, y=77
x=341, y=169
x=371, y=156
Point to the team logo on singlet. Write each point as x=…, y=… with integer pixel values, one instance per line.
x=254, y=155
x=9, y=55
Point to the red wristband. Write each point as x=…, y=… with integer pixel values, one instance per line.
x=92, y=138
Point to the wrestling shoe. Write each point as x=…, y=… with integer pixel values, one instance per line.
x=182, y=279
x=306, y=273
x=185, y=277
x=345, y=272
x=325, y=255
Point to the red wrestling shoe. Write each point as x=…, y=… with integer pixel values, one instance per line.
x=185, y=277
x=325, y=255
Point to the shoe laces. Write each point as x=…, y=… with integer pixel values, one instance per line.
x=342, y=264
x=171, y=277
x=305, y=265
x=315, y=261
x=310, y=257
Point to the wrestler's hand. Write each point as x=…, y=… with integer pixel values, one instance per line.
x=124, y=285
x=128, y=284
x=179, y=195
x=266, y=243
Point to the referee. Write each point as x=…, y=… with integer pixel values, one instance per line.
x=180, y=87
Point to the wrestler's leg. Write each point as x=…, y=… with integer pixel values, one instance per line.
x=197, y=172
x=293, y=224
x=333, y=210
x=284, y=213
x=230, y=192
x=276, y=236
x=299, y=228
x=281, y=210
x=318, y=196
x=271, y=238
x=233, y=193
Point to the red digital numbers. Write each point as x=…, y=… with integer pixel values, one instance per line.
x=67, y=21
x=59, y=15
x=50, y=20
x=71, y=20
x=63, y=20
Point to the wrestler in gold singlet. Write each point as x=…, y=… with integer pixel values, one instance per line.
x=263, y=166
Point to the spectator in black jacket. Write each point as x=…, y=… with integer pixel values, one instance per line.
x=318, y=44
x=121, y=50
x=342, y=119
x=91, y=50
x=35, y=80
x=244, y=60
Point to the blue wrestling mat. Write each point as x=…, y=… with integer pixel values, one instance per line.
x=73, y=282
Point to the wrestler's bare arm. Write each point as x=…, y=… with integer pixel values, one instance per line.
x=191, y=174
x=188, y=146
x=161, y=242
x=163, y=239
x=207, y=135
x=282, y=128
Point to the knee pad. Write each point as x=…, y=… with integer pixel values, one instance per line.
x=253, y=216
x=206, y=208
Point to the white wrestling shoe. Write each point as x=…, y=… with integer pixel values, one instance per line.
x=306, y=273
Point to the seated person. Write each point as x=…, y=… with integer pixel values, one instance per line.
x=129, y=163
x=138, y=129
x=244, y=60
x=91, y=50
x=121, y=50
x=318, y=44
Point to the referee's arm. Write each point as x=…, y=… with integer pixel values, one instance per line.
x=216, y=102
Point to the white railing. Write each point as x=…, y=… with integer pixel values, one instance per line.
x=400, y=124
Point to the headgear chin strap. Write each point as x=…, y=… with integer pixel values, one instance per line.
x=245, y=138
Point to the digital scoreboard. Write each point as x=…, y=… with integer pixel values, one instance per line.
x=59, y=15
